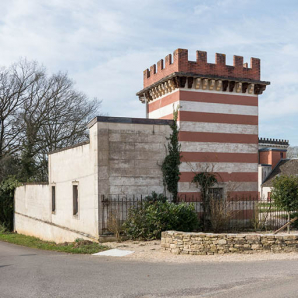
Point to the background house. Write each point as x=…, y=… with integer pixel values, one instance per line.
x=285, y=167
x=271, y=153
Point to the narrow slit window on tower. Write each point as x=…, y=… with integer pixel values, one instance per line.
x=53, y=198
x=75, y=194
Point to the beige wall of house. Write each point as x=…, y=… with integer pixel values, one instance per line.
x=265, y=193
x=263, y=172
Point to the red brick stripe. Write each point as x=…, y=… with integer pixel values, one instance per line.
x=189, y=136
x=202, y=97
x=224, y=177
x=217, y=118
x=155, y=105
x=219, y=157
x=219, y=98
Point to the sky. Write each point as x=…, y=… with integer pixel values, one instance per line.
x=104, y=46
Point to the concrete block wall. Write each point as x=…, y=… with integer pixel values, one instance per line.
x=130, y=155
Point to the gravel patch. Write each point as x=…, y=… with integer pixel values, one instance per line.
x=150, y=251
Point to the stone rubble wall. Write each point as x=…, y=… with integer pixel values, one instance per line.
x=209, y=244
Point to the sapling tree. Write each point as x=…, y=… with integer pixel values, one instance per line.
x=205, y=180
x=285, y=194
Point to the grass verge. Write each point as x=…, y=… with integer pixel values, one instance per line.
x=80, y=246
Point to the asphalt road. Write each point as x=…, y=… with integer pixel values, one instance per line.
x=26, y=272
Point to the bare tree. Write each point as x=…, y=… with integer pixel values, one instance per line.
x=15, y=83
x=39, y=114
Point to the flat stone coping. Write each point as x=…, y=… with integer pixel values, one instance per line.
x=129, y=120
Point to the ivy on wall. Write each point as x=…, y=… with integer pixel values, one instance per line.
x=170, y=166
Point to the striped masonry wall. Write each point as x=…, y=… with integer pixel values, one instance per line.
x=218, y=133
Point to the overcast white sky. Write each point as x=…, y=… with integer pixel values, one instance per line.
x=105, y=46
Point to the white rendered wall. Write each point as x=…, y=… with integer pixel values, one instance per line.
x=33, y=216
x=76, y=166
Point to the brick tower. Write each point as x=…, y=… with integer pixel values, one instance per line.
x=218, y=117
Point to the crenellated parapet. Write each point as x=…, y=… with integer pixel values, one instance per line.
x=178, y=72
x=273, y=143
x=179, y=63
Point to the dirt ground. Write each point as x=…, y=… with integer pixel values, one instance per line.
x=150, y=251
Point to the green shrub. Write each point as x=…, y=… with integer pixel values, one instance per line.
x=3, y=229
x=295, y=223
x=285, y=192
x=7, y=188
x=154, y=197
x=148, y=220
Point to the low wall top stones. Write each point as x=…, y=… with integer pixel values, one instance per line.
x=209, y=243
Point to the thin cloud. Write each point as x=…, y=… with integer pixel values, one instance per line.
x=105, y=46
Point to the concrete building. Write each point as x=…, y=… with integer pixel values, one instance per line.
x=218, y=120
x=123, y=156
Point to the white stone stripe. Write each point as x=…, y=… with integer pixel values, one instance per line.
x=218, y=147
x=228, y=167
x=219, y=108
x=218, y=127
x=164, y=111
x=228, y=186
x=205, y=107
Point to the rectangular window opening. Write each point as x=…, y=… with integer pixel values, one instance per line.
x=75, y=199
x=216, y=193
x=53, y=198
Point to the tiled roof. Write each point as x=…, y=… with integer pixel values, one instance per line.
x=284, y=167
